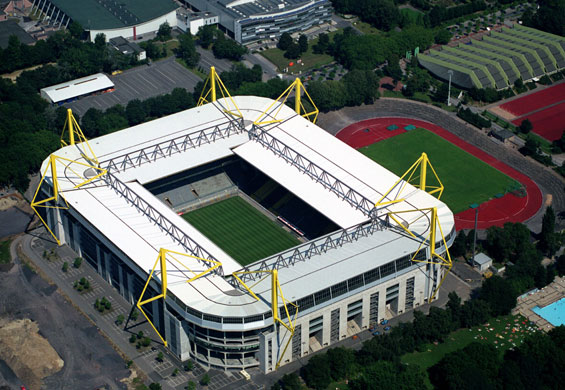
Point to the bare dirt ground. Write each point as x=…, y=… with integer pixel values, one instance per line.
x=502, y=113
x=27, y=353
x=90, y=361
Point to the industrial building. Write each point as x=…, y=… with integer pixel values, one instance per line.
x=117, y=202
x=74, y=89
x=499, y=58
x=249, y=21
x=126, y=18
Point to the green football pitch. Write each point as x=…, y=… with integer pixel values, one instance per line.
x=466, y=179
x=240, y=230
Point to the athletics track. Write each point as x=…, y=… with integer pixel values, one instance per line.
x=495, y=212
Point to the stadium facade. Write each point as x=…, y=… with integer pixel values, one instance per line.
x=373, y=266
x=498, y=59
x=249, y=21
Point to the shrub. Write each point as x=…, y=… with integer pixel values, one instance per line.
x=77, y=263
x=205, y=380
x=120, y=319
x=146, y=342
x=132, y=338
x=188, y=366
x=65, y=266
x=160, y=357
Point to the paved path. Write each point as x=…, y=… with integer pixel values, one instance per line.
x=549, y=182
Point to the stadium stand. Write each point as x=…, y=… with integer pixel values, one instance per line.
x=498, y=59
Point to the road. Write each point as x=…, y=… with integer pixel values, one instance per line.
x=207, y=60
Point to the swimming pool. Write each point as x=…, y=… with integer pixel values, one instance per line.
x=554, y=313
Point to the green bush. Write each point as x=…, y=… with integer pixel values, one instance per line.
x=205, y=380
x=77, y=263
x=65, y=266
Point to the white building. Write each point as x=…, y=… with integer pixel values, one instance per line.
x=342, y=281
x=74, y=89
x=192, y=21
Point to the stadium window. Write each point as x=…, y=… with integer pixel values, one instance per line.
x=422, y=255
x=403, y=262
x=195, y=313
x=250, y=319
x=339, y=289
x=387, y=269
x=372, y=275
x=212, y=318
x=322, y=296
x=233, y=320
x=305, y=303
x=355, y=282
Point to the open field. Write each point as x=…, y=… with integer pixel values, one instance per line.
x=504, y=333
x=240, y=230
x=309, y=59
x=467, y=180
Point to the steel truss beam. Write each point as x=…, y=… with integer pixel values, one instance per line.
x=85, y=177
x=173, y=146
x=307, y=250
x=316, y=173
x=276, y=293
x=187, y=243
x=166, y=255
x=423, y=163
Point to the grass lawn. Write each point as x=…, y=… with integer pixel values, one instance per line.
x=366, y=28
x=240, y=230
x=507, y=332
x=411, y=14
x=196, y=71
x=466, y=179
x=309, y=59
x=5, y=257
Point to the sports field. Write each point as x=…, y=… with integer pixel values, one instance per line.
x=467, y=179
x=240, y=230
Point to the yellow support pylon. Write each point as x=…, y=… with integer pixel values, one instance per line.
x=421, y=165
x=162, y=260
x=276, y=291
x=435, y=225
x=209, y=91
x=273, y=111
x=52, y=166
x=76, y=136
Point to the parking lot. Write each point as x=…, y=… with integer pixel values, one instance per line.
x=141, y=83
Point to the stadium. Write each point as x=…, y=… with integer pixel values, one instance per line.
x=247, y=235
x=249, y=21
x=498, y=59
x=126, y=18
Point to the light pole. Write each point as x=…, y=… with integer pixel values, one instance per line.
x=476, y=207
x=450, y=73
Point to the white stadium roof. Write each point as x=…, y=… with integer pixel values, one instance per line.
x=75, y=88
x=194, y=137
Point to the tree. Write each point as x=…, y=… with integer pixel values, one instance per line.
x=188, y=366
x=459, y=247
x=100, y=40
x=76, y=30
x=499, y=294
x=284, y=41
x=120, y=319
x=146, y=341
x=342, y=363
x=164, y=32
x=135, y=112
x=531, y=146
x=303, y=43
x=154, y=386
x=190, y=385
x=440, y=95
x=227, y=48
x=526, y=126
x=442, y=37
x=392, y=69
x=160, y=357
x=187, y=50
x=328, y=95
x=134, y=314
x=205, y=380
x=291, y=382
x=323, y=43
x=317, y=373
x=293, y=51
x=77, y=263
x=549, y=242
x=362, y=87
x=206, y=34
x=65, y=266
x=560, y=265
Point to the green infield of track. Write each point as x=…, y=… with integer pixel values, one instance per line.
x=240, y=230
x=466, y=179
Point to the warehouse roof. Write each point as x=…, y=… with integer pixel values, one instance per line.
x=78, y=87
x=108, y=14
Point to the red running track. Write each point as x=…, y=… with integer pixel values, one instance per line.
x=535, y=101
x=548, y=123
x=495, y=212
